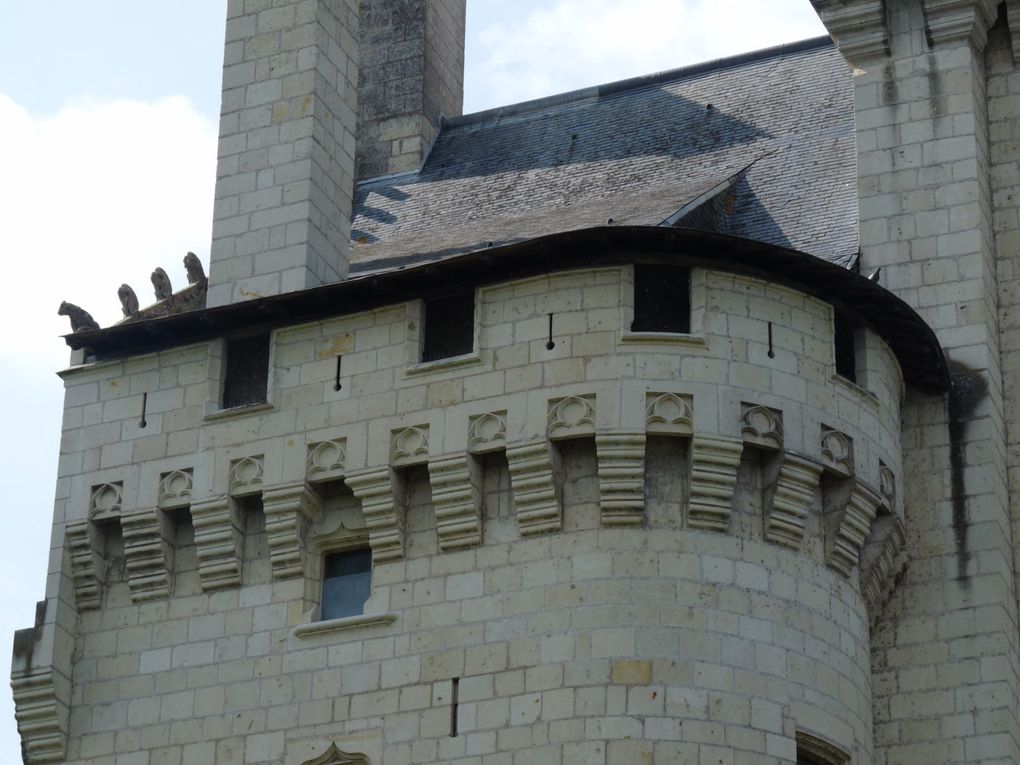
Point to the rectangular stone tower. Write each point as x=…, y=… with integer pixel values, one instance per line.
x=935, y=88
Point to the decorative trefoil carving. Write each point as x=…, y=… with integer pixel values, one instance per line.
x=457, y=497
x=326, y=460
x=148, y=555
x=288, y=511
x=409, y=446
x=837, y=452
x=762, y=427
x=788, y=504
x=714, y=462
x=246, y=476
x=383, y=510
x=105, y=501
x=175, y=489
x=532, y=479
x=571, y=417
x=87, y=584
x=487, y=433
x=621, y=466
x=669, y=414
x=218, y=539
x=887, y=487
x=843, y=547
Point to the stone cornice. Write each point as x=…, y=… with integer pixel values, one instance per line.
x=950, y=21
x=859, y=27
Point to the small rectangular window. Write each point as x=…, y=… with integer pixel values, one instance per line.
x=845, y=347
x=346, y=583
x=662, y=299
x=247, y=375
x=449, y=326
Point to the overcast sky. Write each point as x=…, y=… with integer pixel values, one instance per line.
x=108, y=113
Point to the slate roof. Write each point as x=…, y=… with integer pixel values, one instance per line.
x=766, y=138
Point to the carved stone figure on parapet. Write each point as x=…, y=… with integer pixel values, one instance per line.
x=161, y=284
x=80, y=318
x=128, y=300
x=194, y=268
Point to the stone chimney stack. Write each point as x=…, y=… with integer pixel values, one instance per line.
x=412, y=71
x=286, y=166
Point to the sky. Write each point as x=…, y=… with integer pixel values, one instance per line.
x=108, y=113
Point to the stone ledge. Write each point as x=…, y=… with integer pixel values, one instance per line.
x=237, y=411
x=662, y=338
x=344, y=624
x=442, y=365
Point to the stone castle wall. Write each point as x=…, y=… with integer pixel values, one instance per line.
x=628, y=545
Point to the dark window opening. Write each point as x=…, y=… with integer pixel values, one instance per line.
x=662, y=299
x=449, y=326
x=845, y=347
x=346, y=583
x=247, y=376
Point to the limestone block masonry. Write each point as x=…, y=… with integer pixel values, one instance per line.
x=285, y=170
x=935, y=88
x=626, y=548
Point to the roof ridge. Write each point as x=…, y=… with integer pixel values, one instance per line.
x=595, y=92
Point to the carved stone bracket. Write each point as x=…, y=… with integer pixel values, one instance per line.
x=788, y=505
x=457, y=497
x=87, y=582
x=859, y=27
x=175, y=489
x=669, y=414
x=621, y=464
x=409, y=446
x=950, y=21
x=847, y=529
x=532, y=478
x=42, y=717
x=487, y=433
x=148, y=555
x=288, y=511
x=762, y=427
x=571, y=417
x=714, y=462
x=218, y=542
x=383, y=510
x=246, y=476
x=881, y=560
x=326, y=460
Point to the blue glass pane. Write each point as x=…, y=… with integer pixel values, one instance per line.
x=347, y=584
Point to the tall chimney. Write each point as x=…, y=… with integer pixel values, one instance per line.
x=412, y=71
x=285, y=173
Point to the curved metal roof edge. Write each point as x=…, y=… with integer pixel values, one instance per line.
x=910, y=338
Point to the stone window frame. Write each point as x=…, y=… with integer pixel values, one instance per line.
x=693, y=338
x=218, y=362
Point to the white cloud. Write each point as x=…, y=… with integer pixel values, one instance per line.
x=577, y=43
x=99, y=194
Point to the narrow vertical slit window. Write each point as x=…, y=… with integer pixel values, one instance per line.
x=346, y=583
x=662, y=299
x=247, y=371
x=449, y=326
x=844, y=342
